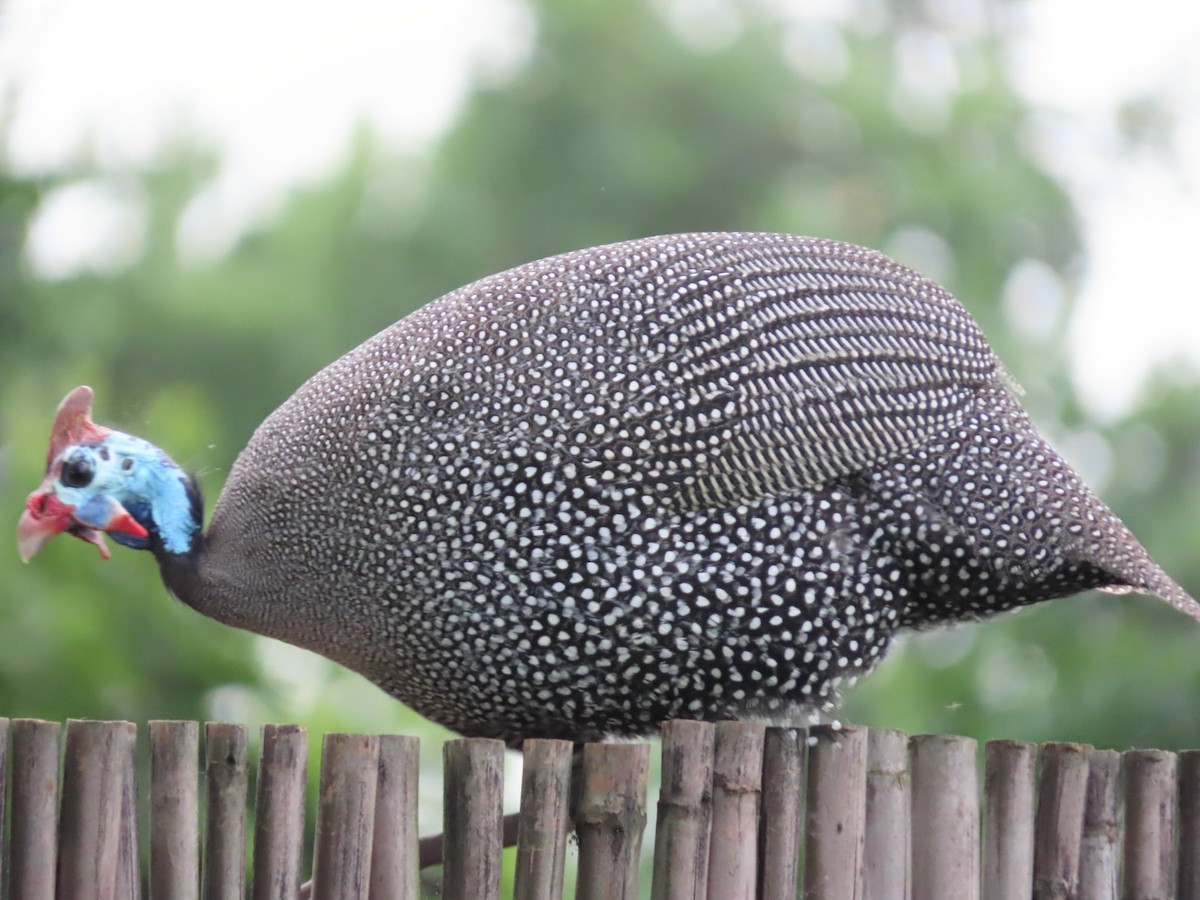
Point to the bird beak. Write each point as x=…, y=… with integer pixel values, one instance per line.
x=46, y=515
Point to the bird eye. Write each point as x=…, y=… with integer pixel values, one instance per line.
x=127, y=464
x=77, y=471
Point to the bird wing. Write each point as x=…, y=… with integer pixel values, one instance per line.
x=710, y=369
x=764, y=364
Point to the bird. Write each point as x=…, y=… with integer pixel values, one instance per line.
x=707, y=476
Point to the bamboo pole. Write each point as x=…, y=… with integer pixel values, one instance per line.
x=1189, y=825
x=545, y=819
x=684, y=811
x=1149, y=852
x=736, y=801
x=1058, y=828
x=345, y=817
x=91, y=828
x=394, y=847
x=837, y=777
x=129, y=868
x=34, y=844
x=945, y=817
x=887, y=844
x=279, y=812
x=782, y=808
x=224, y=875
x=1099, y=869
x=4, y=731
x=612, y=816
x=174, y=810
x=1008, y=789
x=474, y=776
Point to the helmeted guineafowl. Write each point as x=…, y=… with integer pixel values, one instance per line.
x=705, y=476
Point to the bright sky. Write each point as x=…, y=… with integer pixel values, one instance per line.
x=1140, y=301
x=278, y=87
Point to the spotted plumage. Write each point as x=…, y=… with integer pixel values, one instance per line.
x=705, y=475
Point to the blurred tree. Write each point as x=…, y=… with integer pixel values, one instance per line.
x=898, y=129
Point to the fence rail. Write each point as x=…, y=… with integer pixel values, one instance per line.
x=744, y=812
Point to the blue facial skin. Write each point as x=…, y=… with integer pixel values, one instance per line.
x=138, y=476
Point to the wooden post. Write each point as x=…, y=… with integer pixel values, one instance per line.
x=1149, y=857
x=394, y=850
x=345, y=817
x=1009, y=775
x=4, y=729
x=837, y=778
x=1099, y=872
x=945, y=817
x=34, y=809
x=888, y=836
x=1058, y=829
x=473, y=786
x=612, y=816
x=129, y=867
x=544, y=820
x=174, y=810
x=279, y=812
x=782, y=808
x=224, y=876
x=684, y=811
x=1189, y=825
x=736, y=800
x=91, y=828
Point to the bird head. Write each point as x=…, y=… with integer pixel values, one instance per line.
x=100, y=481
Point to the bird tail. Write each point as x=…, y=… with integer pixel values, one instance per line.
x=1160, y=584
x=1149, y=578
x=1129, y=563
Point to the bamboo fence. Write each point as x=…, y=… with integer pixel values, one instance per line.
x=744, y=811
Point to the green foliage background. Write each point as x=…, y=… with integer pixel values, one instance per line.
x=615, y=127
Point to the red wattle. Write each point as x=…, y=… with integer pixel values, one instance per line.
x=124, y=523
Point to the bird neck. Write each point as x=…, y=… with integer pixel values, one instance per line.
x=170, y=509
x=173, y=516
x=181, y=575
